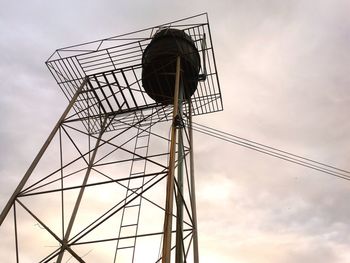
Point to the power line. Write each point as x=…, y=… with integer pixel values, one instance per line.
x=272, y=148
x=272, y=151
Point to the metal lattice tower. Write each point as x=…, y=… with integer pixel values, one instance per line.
x=114, y=181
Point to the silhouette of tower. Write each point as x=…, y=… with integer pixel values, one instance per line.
x=114, y=181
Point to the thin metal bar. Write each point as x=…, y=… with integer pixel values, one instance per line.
x=92, y=66
x=112, y=213
x=179, y=200
x=188, y=187
x=182, y=196
x=126, y=198
x=52, y=70
x=120, y=147
x=166, y=254
x=140, y=88
x=88, y=185
x=28, y=189
x=188, y=248
x=31, y=189
x=143, y=130
x=111, y=90
x=16, y=233
x=193, y=190
x=98, y=100
x=145, y=107
x=128, y=86
x=103, y=93
x=81, y=156
x=109, y=55
x=75, y=145
x=215, y=67
x=50, y=256
x=175, y=245
x=137, y=236
x=133, y=32
x=68, y=86
x=137, y=45
x=50, y=231
x=143, y=197
x=79, y=198
x=121, y=90
x=61, y=179
x=40, y=154
x=142, y=184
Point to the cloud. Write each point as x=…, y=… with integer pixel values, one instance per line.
x=283, y=69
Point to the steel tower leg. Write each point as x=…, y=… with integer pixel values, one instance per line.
x=39, y=155
x=180, y=202
x=193, y=191
x=166, y=250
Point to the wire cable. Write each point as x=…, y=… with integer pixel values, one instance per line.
x=272, y=148
x=272, y=151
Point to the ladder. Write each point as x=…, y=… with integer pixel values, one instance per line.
x=131, y=212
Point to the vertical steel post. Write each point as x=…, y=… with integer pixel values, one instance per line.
x=16, y=233
x=179, y=202
x=166, y=250
x=61, y=181
x=193, y=191
x=40, y=154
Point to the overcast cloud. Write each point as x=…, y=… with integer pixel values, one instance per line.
x=284, y=73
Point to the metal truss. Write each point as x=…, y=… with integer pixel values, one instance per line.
x=95, y=191
x=92, y=191
x=113, y=67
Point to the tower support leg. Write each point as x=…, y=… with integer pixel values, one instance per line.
x=39, y=155
x=180, y=181
x=193, y=191
x=166, y=250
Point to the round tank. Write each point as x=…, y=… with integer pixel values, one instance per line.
x=159, y=65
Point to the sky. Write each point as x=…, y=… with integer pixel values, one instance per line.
x=283, y=69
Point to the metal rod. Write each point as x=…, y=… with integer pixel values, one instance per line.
x=110, y=213
x=93, y=184
x=127, y=237
x=179, y=200
x=16, y=232
x=61, y=181
x=193, y=190
x=103, y=143
x=50, y=231
x=126, y=197
x=80, y=196
x=40, y=154
x=166, y=251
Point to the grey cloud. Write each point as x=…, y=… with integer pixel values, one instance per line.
x=284, y=75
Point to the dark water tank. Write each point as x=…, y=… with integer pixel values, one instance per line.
x=159, y=65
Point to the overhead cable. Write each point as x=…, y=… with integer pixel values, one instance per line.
x=272, y=151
